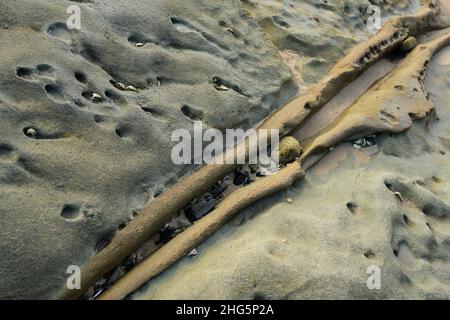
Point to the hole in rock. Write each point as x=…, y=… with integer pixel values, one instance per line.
x=24, y=72
x=352, y=207
x=81, y=77
x=44, y=69
x=70, y=211
x=191, y=113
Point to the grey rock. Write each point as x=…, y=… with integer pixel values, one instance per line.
x=200, y=209
x=111, y=156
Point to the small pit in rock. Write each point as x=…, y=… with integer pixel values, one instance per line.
x=81, y=77
x=352, y=207
x=192, y=113
x=24, y=72
x=70, y=211
x=369, y=254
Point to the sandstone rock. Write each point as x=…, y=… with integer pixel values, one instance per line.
x=111, y=155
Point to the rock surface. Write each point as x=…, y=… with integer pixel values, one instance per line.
x=353, y=212
x=85, y=123
x=314, y=34
x=78, y=155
